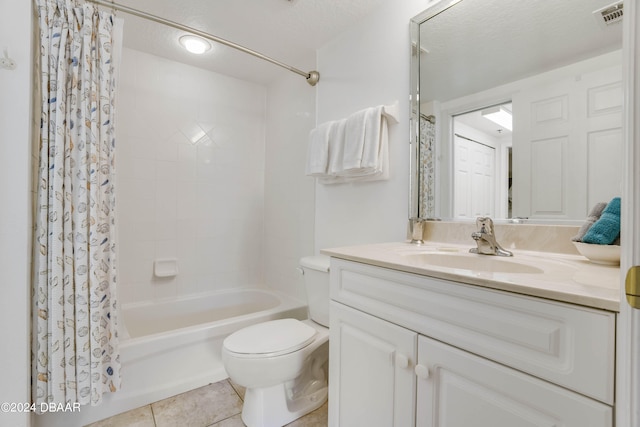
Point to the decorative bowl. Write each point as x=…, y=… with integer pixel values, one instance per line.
x=600, y=254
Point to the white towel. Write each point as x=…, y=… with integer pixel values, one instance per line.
x=357, y=148
x=380, y=172
x=354, y=141
x=318, y=150
x=372, y=138
x=336, y=147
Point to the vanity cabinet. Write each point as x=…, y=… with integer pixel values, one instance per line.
x=412, y=350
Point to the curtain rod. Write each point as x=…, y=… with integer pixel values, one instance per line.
x=473, y=140
x=312, y=77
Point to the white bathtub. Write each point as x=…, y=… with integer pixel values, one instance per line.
x=170, y=347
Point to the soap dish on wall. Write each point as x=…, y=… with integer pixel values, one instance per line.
x=167, y=267
x=600, y=254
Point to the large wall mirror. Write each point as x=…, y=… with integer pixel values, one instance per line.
x=516, y=109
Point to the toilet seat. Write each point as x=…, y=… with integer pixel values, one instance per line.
x=270, y=339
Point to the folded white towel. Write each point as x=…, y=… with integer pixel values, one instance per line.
x=370, y=146
x=318, y=150
x=336, y=147
x=357, y=148
x=336, y=154
x=379, y=172
x=374, y=139
x=354, y=140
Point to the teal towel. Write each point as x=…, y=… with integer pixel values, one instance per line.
x=607, y=229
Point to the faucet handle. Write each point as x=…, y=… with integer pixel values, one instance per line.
x=486, y=239
x=485, y=224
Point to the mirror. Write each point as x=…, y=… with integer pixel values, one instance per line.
x=553, y=69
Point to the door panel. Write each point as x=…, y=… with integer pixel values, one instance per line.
x=567, y=139
x=465, y=390
x=371, y=376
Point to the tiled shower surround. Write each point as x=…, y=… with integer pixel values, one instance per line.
x=190, y=178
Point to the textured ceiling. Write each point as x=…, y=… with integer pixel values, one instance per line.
x=479, y=44
x=288, y=31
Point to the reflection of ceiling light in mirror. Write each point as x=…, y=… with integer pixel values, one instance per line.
x=195, y=44
x=499, y=115
x=201, y=138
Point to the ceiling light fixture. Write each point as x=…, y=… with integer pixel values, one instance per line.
x=499, y=115
x=195, y=44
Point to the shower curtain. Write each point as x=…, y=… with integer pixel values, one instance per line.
x=427, y=208
x=74, y=337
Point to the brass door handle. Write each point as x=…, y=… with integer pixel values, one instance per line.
x=632, y=286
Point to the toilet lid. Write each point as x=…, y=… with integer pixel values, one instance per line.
x=272, y=338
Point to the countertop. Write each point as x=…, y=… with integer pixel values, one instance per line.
x=559, y=277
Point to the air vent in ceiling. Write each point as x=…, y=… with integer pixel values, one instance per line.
x=609, y=15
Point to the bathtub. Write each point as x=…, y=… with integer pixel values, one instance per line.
x=170, y=347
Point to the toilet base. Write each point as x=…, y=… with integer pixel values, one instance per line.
x=270, y=407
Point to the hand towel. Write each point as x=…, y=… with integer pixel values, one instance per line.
x=381, y=172
x=318, y=150
x=354, y=140
x=593, y=216
x=373, y=134
x=336, y=147
x=358, y=148
x=606, y=229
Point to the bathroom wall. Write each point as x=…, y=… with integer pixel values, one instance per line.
x=190, y=178
x=364, y=67
x=289, y=194
x=15, y=218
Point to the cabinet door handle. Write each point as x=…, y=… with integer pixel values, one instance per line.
x=402, y=361
x=422, y=372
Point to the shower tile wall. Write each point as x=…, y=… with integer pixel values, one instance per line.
x=289, y=194
x=190, y=178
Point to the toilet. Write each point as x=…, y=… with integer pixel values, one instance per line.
x=283, y=363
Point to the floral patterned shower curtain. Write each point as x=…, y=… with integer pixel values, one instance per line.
x=427, y=208
x=75, y=343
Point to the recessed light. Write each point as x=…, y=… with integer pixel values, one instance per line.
x=499, y=115
x=195, y=44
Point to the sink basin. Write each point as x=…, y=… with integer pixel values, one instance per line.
x=477, y=263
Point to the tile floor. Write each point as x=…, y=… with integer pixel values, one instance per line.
x=214, y=405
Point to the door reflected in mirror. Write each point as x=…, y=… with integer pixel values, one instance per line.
x=555, y=69
x=481, y=166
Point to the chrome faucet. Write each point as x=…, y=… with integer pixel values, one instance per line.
x=486, y=239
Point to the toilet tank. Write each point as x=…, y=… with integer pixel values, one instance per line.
x=316, y=283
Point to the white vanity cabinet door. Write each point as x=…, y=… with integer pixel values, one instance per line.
x=459, y=389
x=371, y=377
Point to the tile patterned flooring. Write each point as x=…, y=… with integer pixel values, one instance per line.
x=214, y=405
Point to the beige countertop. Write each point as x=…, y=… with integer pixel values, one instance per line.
x=560, y=277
